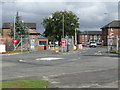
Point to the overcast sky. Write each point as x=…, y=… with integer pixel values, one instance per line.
x=93, y=15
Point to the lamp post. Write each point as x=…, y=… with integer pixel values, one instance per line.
x=75, y=38
x=109, y=39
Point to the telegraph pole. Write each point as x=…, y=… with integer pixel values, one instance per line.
x=14, y=32
x=63, y=24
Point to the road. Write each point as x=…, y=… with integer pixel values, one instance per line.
x=87, y=68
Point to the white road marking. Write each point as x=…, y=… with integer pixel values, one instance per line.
x=49, y=58
x=89, y=85
x=21, y=60
x=54, y=82
x=20, y=76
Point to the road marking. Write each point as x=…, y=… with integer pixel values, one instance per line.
x=21, y=60
x=54, y=82
x=49, y=58
x=89, y=85
x=98, y=53
x=20, y=76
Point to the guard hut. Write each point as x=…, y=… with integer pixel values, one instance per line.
x=42, y=43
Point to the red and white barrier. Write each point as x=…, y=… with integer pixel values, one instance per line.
x=80, y=47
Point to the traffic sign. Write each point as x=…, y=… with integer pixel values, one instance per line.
x=63, y=43
x=14, y=41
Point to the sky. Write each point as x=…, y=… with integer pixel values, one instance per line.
x=92, y=14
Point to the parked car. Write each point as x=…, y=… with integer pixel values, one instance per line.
x=84, y=45
x=99, y=43
x=93, y=44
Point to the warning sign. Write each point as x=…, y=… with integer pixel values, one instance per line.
x=63, y=43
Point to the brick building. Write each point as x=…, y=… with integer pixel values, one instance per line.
x=6, y=28
x=111, y=30
x=40, y=42
x=88, y=36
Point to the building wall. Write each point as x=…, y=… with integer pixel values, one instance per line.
x=43, y=47
x=106, y=32
x=86, y=38
x=6, y=32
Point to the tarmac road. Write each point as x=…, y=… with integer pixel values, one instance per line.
x=88, y=68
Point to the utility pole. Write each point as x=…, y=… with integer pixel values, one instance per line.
x=14, y=31
x=63, y=24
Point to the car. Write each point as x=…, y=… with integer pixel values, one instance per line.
x=84, y=45
x=99, y=43
x=93, y=44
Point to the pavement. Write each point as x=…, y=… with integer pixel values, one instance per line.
x=88, y=68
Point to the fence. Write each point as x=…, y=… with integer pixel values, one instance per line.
x=23, y=44
x=113, y=43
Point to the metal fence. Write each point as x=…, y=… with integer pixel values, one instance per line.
x=113, y=43
x=23, y=44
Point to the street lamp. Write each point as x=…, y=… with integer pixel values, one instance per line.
x=75, y=38
x=109, y=38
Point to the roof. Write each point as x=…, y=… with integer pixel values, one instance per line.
x=33, y=32
x=91, y=33
x=29, y=25
x=113, y=24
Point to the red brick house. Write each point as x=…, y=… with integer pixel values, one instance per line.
x=6, y=28
x=112, y=29
x=87, y=36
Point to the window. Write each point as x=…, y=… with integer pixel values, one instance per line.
x=85, y=35
x=42, y=42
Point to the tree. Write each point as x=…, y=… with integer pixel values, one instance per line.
x=54, y=25
x=20, y=28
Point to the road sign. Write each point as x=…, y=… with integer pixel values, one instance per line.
x=63, y=43
x=2, y=48
x=14, y=41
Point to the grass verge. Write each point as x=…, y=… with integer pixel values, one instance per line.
x=25, y=84
x=116, y=52
x=8, y=52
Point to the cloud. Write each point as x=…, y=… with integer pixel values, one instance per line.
x=91, y=14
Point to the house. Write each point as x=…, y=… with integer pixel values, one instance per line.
x=33, y=41
x=87, y=36
x=111, y=30
x=6, y=28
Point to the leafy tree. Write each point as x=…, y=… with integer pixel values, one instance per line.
x=20, y=28
x=54, y=25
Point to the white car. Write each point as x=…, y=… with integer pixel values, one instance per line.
x=93, y=44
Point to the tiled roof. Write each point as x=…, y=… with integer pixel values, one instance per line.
x=29, y=25
x=92, y=33
x=113, y=24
